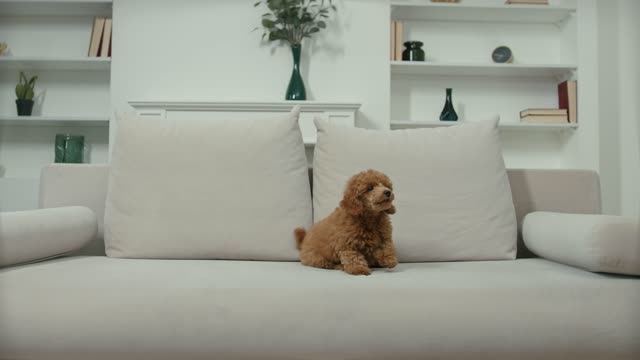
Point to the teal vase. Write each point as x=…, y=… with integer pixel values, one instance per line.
x=448, y=112
x=295, y=90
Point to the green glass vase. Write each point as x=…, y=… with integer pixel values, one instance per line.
x=69, y=149
x=448, y=112
x=295, y=90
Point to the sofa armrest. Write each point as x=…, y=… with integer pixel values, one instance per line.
x=27, y=236
x=598, y=243
x=77, y=185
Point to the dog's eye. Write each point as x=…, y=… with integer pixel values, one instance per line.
x=370, y=188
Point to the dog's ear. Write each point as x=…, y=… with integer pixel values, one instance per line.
x=352, y=202
x=391, y=210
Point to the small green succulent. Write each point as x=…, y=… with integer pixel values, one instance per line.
x=24, y=89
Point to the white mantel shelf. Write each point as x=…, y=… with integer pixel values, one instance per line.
x=342, y=113
x=240, y=106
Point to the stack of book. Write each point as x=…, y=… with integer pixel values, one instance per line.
x=397, y=35
x=544, y=116
x=100, y=42
x=568, y=98
x=527, y=2
x=567, y=111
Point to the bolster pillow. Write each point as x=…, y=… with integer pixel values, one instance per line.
x=598, y=243
x=31, y=235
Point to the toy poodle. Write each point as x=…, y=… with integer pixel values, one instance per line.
x=357, y=234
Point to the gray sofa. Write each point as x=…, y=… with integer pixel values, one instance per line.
x=89, y=306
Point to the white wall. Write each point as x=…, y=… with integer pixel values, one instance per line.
x=629, y=94
x=202, y=50
x=618, y=96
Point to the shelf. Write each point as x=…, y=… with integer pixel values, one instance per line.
x=424, y=10
x=56, y=63
x=482, y=69
x=54, y=121
x=506, y=126
x=55, y=8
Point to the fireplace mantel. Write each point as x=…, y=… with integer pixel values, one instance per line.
x=339, y=113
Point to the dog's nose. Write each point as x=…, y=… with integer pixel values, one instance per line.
x=387, y=193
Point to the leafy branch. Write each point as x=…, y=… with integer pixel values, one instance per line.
x=294, y=20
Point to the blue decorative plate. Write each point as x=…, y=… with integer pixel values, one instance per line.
x=502, y=54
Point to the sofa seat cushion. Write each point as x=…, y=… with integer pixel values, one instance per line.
x=122, y=308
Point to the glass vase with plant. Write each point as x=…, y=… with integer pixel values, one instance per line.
x=292, y=21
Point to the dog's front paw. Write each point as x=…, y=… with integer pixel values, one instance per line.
x=389, y=262
x=357, y=270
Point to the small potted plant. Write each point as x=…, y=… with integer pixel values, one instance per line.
x=24, y=92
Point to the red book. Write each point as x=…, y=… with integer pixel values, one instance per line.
x=568, y=98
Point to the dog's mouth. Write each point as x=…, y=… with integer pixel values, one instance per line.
x=385, y=201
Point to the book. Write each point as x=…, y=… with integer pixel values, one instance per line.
x=393, y=40
x=545, y=119
x=106, y=38
x=527, y=2
x=527, y=112
x=96, y=36
x=398, y=40
x=568, y=98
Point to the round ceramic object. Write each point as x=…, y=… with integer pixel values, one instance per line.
x=502, y=54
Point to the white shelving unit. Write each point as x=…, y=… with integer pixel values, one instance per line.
x=55, y=7
x=50, y=39
x=458, y=41
x=483, y=69
x=505, y=126
x=423, y=10
x=55, y=63
x=55, y=120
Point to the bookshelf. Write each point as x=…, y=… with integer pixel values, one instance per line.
x=459, y=39
x=479, y=12
x=483, y=69
x=50, y=39
x=55, y=8
x=55, y=63
x=504, y=126
x=76, y=120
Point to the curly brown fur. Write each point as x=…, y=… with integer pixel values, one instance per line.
x=356, y=235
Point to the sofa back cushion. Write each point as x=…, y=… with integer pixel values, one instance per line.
x=205, y=189
x=453, y=197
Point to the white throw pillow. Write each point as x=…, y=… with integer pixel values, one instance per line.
x=453, y=197
x=207, y=189
x=599, y=243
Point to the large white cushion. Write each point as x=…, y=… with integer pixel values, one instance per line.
x=206, y=189
x=600, y=243
x=452, y=192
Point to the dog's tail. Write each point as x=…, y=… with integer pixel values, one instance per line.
x=300, y=234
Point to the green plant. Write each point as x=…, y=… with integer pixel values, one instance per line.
x=294, y=20
x=24, y=89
